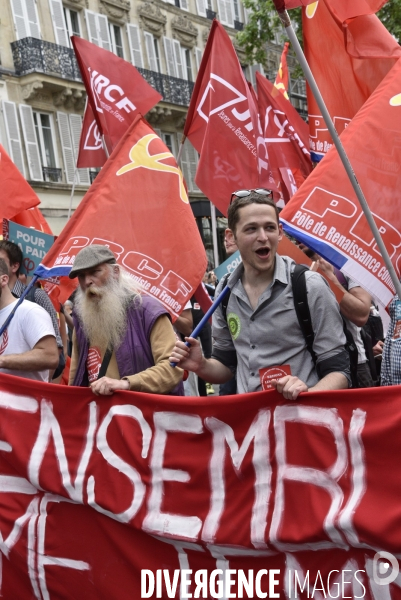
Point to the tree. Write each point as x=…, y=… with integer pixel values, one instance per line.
x=263, y=24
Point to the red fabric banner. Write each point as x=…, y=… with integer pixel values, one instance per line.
x=32, y=217
x=138, y=207
x=282, y=5
x=325, y=213
x=281, y=81
x=349, y=57
x=286, y=137
x=16, y=193
x=221, y=124
x=95, y=490
x=116, y=90
x=91, y=152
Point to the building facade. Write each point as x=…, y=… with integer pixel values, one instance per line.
x=43, y=98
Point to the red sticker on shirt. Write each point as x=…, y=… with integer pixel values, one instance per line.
x=266, y=375
x=397, y=330
x=93, y=363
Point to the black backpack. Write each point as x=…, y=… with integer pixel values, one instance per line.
x=305, y=321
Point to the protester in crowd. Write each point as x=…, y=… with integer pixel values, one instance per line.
x=262, y=330
x=122, y=339
x=390, y=373
x=355, y=308
x=12, y=255
x=28, y=346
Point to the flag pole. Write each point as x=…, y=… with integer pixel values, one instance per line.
x=180, y=149
x=72, y=193
x=214, y=234
x=285, y=19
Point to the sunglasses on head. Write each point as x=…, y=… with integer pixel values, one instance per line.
x=245, y=193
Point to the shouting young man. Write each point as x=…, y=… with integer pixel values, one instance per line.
x=259, y=330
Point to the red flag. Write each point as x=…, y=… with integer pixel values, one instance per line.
x=286, y=137
x=91, y=152
x=32, y=217
x=139, y=208
x=281, y=82
x=348, y=57
x=282, y=5
x=116, y=90
x=221, y=124
x=16, y=193
x=325, y=213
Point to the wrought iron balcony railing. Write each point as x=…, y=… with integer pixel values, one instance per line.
x=52, y=174
x=238, y=25
x=31, y=55
x=173, y=89
x=210, y=14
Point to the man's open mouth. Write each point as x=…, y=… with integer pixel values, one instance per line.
x=263, y=252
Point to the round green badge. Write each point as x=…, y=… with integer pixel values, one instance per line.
x=234, y=324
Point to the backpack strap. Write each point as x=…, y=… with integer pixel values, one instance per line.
x=105, y=362
x=224, y=302
x=302, y=307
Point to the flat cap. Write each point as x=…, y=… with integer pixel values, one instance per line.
x=91, y=256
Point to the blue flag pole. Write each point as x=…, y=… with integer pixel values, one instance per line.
x=20, y=300
x=206, y=317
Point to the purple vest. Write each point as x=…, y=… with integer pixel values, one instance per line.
x=134, y=353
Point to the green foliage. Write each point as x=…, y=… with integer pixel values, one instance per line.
x=390, y=16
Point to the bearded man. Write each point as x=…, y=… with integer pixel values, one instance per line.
x=122, y=339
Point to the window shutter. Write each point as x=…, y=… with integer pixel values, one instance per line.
x=198, y=57
x=104, y=33
x=33, y=19
x=201, y=7
x=13, y=135
x=168, y=50
x=184, y=4
x=31, y=143
x=189, y=164
x=59, y=24
x=229, y=13
x=150, y=50
x=20, y=21
x=135, y=45
x=76, y=129
x=91, y=25
x=66, y=145
x=221, y=7
x=179, y=63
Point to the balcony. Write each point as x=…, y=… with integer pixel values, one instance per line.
x=52, y=174
x=174, y=90
x=238, y=25
x=210, y=14
x=31, y=55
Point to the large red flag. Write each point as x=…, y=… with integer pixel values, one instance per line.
x=223, y=126
x=16, y=193
x=286, y=137
x=91, y=152
x=138, y=207
x=349, y=57
x=116, y=90
x=32, y=217
x=325, y=213
x=282, y=5
x=281, y=81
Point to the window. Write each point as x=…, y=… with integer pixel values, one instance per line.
x=237, y=14
x=152, y=51
x=186, y=56
x=225, y=9
x=72, y=22
x=157, y=54
x=174, y=58
x=98, y=29
x=116, y=40
x=45, y=139
x=170, y=141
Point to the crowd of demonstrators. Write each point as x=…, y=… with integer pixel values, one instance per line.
x=28, y=346
x=122, y=339
x=260, y=329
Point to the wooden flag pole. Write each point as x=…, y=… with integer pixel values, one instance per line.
x=285, y=19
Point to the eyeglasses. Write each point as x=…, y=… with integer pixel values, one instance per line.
x=245, y=193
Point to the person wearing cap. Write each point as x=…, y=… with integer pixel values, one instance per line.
x=258, y=337
x=122, y=339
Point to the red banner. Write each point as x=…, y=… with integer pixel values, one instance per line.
x=138, y=207
x=281, y=81
x=325, y=213
x=91, y=152
x=100, y=497
x=221, y=124
x=116, y=90
x=16, y=193
x=349, y=57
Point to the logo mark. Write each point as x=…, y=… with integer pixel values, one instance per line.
x=93, y=140
x=382, y=573
x=311, y=9
x=234, y=325
x=395, y=100
x=141, y=159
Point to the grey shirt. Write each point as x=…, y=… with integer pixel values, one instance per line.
x=270, y=335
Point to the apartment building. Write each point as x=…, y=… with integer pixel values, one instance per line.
x=43, y=98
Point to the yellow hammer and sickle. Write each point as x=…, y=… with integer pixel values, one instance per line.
x=141, y=159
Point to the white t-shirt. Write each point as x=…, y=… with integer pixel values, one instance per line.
x=30, y=324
